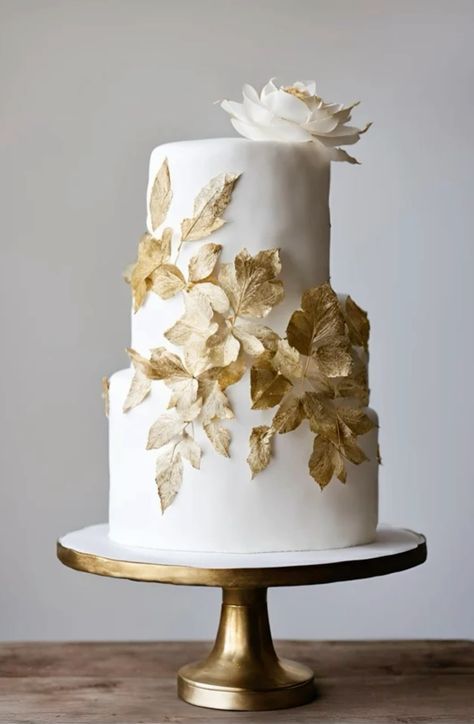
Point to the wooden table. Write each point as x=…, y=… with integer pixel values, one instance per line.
x=131, y=683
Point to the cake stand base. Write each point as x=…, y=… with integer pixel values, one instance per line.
x=243, y=672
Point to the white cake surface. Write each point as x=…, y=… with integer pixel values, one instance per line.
x=281, y=200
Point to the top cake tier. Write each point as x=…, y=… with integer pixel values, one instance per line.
x=281, y=200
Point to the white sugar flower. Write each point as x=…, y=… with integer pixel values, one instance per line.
x=294, y=114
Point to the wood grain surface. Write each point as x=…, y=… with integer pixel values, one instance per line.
x=128, y=683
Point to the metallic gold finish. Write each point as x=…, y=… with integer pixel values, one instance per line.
x=243, y=672
x=304, y=575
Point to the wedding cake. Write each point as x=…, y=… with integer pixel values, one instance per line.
x=242, y=424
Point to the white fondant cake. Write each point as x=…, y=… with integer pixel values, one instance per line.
x=280, y=200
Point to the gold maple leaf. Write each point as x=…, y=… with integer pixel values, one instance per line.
x=358, y=323
x=267, y=386
x=326, y=462
x=209, y=205
x=169, y=476
x=318, y=330
x=250, y=282
x=289, y=415
x=152, y=253
x=202, y=264
x=260, y=448
x=160, y=196
x=219, y=437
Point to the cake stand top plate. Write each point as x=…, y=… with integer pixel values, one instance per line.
x=91, y=550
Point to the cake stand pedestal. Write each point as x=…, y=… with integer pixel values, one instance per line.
x=243, y=671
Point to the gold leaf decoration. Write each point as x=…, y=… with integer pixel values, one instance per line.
x=169, y=476
x=250, y=282
x=318, y=329
x=190, y=450
x=202, y=264
x=210, y=203
x=267, y=387
x=216, y=404
x=287, y=360
x=289, y=415
x=318, y=372
x=326, y=462
x=260, y=448
x=152, y=253
x=167, y=280
x=105, y=395
x=219, y=436
x=357, y=323
x=161, y=195
x=196, y=325
x=164, y=429
x=141, y=383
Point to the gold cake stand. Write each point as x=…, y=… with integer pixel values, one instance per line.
x=243, y=671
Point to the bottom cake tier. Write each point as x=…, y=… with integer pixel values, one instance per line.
x=219, y=508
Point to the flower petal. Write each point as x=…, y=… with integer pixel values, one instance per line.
x=287, y=106
x=322, y=125
x=234, y=109
x=249, y=91
x=267, y=89
x=278, y=131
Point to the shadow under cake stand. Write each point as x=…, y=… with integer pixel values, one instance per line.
x=243, y=672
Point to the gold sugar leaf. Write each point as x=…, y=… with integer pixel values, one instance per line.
x=218, y=436
x=260, y=448
x=339, y=425
x=164, y=429
x=267, y=387
x=334, y=358
x=190, y=450
x=350, y=449
x=105, y=395
x=139, y=389
x=161, y=195
x=164, y=365
x=250, y=282
x=216, y=403
x=232, y=373
x=287, y=360
x=358, y=422
x=222, y=347
x=251, y=344
x=169, y=476
x=326, y=462
x=167, y=280
x=216, y=296
x=151, y=254
x=300, y=332
x=321, y=306
x=210, y=203
x=202, y=264
x=355, y=385
x=195, y=325
x=320, y=319
x=184, y=398
x=357, y=323
x=289, y=415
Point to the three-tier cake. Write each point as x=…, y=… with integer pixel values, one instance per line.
x=243, y=424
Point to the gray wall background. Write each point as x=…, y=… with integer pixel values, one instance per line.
x=88, y=88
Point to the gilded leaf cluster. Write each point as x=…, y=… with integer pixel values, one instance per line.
x=218, y=335
x=317, y=373
x=154, y=269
